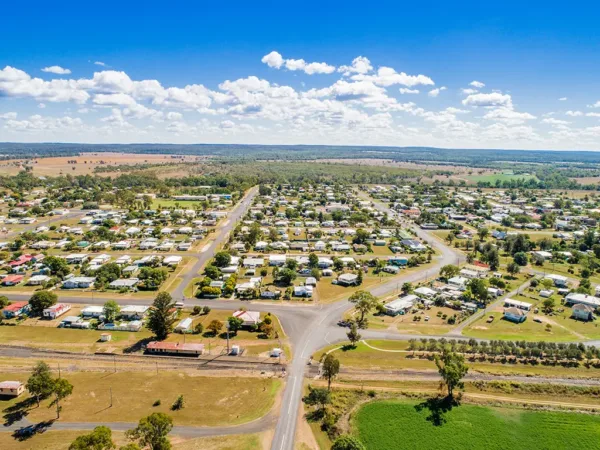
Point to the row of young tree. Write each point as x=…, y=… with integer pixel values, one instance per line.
x=540, y=349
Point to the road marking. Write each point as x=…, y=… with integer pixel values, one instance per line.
x=206, y=247
x=292, y=396
x=327, y=340
x=305, y=345
x=226, y=223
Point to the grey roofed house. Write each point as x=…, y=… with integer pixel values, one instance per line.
x=347, y=279
x=124, y=283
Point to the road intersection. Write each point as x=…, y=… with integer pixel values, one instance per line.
x=307, y=327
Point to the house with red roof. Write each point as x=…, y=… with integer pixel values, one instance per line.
x=16, y=309
x=12, y=280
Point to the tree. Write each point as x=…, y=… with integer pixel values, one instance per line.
x=317, y=397
x=520, y=258
x=286, y=276
x=407, y=287
x=215, y=326
x=353, y=334
x=548, y=305
x=364, y=302
x=449, y=271
x=235, y=323
x=40, y=382
x=359, y=277
x=313, y=260
x=61, y=390
x=111, y=311
x=42, y=300
x=4, y=301
x=452, y=368
x=99, y=439
x=152, y=431
x=222, y=259
x=483, y=233
x=347, y=442
x=212, y=272
x=160, y=318
x=330, y=369
x=58, y=266
x=513, y=268
x=478, y=288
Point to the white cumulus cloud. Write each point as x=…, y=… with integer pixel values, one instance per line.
x=57, y=70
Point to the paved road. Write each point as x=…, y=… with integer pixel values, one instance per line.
x=308, y=329
x=221, y=236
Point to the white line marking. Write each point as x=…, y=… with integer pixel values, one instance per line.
x=305, y=345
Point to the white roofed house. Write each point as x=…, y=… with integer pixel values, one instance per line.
x=253, y=262
x=55, y=311
x=124, y=283
x=400, y=305
x=11, y=388
x=79, y=283
x=134, y=312
x=172, y=261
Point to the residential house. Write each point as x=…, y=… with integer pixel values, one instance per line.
x=401, y=305
x=515, y=315
x=11, y=388
x=250, y=318
x=79, y=283
x=347, y=279
x=582, y=312
x=55, y=311
x=16, y=309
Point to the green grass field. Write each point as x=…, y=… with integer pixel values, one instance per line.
x=397, y=424
x=492, y=178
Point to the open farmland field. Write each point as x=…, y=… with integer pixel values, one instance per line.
x=223, y=400
x=86, y=163
x=494, y=177
x=384, y=425
x=60, y=440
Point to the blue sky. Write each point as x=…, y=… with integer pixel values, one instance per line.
x=523, y=57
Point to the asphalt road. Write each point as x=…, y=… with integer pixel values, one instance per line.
x=308, y=329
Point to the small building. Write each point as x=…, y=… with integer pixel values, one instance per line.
x=583, y=312
x=134, y=312
x=250, y=318
x=303, y=291
x=11, y=388
x=558, y=280
x=16, y=309
x=79, y=283
x=510, y=303
x=174, y=348
x=12, y=280
x=515, y=315
x=55, y=311
x=94, y=311
x=347, y=279
x=401, y=305
x=184, y=325
x=575, y=298
x=124, y=283
x=105, y=337
x=37, y=280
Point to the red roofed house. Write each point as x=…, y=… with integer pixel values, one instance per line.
x=174, y=348
x=23, y=259
x=12, y=280
x=11, y=388
x=250, y=318
x=15, y=309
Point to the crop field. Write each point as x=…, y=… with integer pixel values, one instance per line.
x=492, y=178
x=398, y=424
x=86, y=163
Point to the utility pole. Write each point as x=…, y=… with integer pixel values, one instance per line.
x=111, y=397
x=115, y=362
x=58, y=370
x=227, y=326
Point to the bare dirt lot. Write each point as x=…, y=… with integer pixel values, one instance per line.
x=86, y=163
